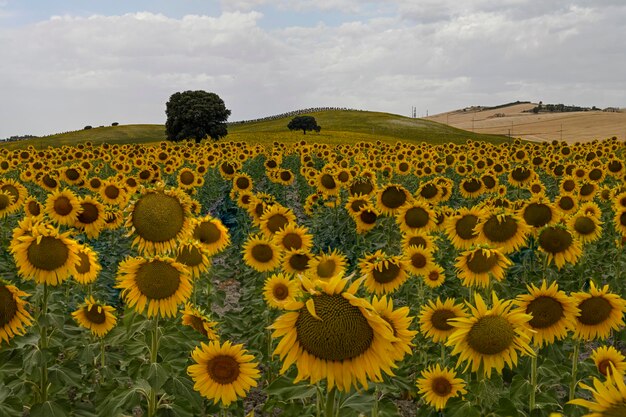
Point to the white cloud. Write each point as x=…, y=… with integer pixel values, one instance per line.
x=67, y=71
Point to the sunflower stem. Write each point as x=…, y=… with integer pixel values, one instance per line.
x=43, y=343
x=330, y=403
x=376, y=400
x=443, y=353
x=154, y=348
x=318, y=402
x=533, y=382
x=574, y=381
x=102, y=351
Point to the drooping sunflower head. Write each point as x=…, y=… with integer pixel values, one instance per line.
x=14, y=318
x=196, y=318
x=326, y=184
x=476, y=266
x=539, y=212
x=327, y=265
x=223, y=372
x=438, y=385
x=609, y=360
x=461, y=228
x=504, y=230
x=334, y=335
x=559, y=244
x=92, y=217
x=553, y=312
x=194, y=256
x=261, y=254
x=95, y=316
x=600, y=311
x=45, y=255
x=280, y=290
x=87, y=267
x=490, y=337
x=158, y=219
x=384, y=273
x=434, y=316
x=210, y=233
x=160, y=283
x=400, y=321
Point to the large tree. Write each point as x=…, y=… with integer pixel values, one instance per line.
x=195, y=114
x=304, y=123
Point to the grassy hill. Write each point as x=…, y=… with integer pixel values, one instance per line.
x=337, y=126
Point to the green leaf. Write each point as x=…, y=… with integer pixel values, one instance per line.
x=284, y=389
x=157, y=375
x=48, y=409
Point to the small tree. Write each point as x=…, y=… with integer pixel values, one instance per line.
x=304, y=123
x=195, y=114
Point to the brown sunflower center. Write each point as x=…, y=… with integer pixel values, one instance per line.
x=197, y=324
x=464, y=227
x=429, y=191
x=368, y=217
x=416, y=217
x=223, y=369
x=190, y=256
x=49, y=254
x=72, y=174
x=242, y=183
x=227, y=168
x=95, y=316
x=386, y=273
x=491, y=335
x=441, y=386
x=489, y=181
x=5, y=201
x=497, y=230
x=111, y=191
x=89, y=214
x=566, y=203
x=262, y=252
x=285, y=175
x=187, y=178
x=594, y=310
x=584, y=225
x=587, y=189
x=472, y=185
x=207, y=232
x=276, y=222
x=326, y=268
x=480, y=261
x=440, y=318
x=158, y=217
x=62, y=206
x=328, y=182
x=342, y=333
x=537, y=214
x=84, y=265
x=622, y=219
x=419, y=260
x=555, y=240
x=280, y=291
x=417, y=241
x=8, y=306
x=393, y=197
x=292, y=241
x=605, y=367
x=299, y=261
x=569, y=185
x=434, y=275
x=33, y=208
x=545, y=310
x=361, y=187
x=520, y=174
x=157, y=280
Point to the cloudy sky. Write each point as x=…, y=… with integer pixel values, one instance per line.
x=65, y=64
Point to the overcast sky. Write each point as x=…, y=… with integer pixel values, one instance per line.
x=65, y=64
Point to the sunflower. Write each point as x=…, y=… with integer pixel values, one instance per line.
x=521, y=176
x=504, y=230
x=210, y=233
x=552, y=311
x=384, y=273
x=187, y=179
x=400, y=321
x=476, y=266
x=362, y=186
x=434, y=316
x=460, y=228
x=417, y=239
x=366, y=218
x=95, y=316
x=242, y=182
x=113, y=193
x=44, y=254
x=416, y=216
x=92, y=217
x=327, y=265
x=391, y=198
x=326, y=184
x=585, y=227
x=609, y=397
x=275, y=218
x=18, y=192
x=296, y=261
x=194, y=256
x=620, y=221
x=489, y=338
x=566, y=203
x=160, y=282
x=198, y=320
x=7, y=205
x=608, y=360
x=279, y=290
x=538, y=212
x=87, y=267
x=32, y=207
x=261, y=254
x=334, y=335
x=293, y=237
x=158, y=219
x=600, y=312
x=63, y=207
x=355, y=203
x=14, y=317
x=471, y=187
x=113, y=218
x=559, y=244
x=434, y=275
x=418, y=259
x=223, y=372
x=438, y=385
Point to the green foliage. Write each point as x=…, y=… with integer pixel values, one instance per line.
x=304, y=123
x=196, y=115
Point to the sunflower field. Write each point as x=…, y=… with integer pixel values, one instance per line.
x=309, y=279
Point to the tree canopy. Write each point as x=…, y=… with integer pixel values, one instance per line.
x=304, y=123
x=195, y=114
